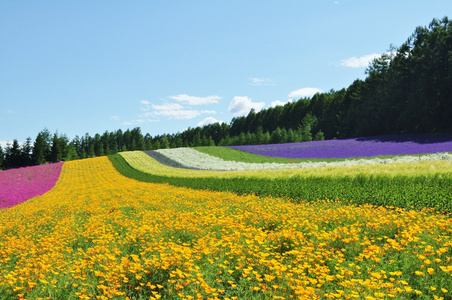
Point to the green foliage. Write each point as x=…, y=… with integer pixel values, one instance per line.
x=418, y=191
x=2, y=156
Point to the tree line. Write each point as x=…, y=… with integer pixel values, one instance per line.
x=407, y=90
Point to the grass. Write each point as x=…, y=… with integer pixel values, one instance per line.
x=231, y=154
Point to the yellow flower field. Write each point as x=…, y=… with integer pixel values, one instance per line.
x=100, y=235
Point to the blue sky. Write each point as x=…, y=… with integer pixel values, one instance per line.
x=81, y=67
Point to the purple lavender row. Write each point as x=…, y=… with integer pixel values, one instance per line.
x=19, y=185
x=357, y=147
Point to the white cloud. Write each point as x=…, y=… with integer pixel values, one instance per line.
x=147, y=105
x=359, y=62
x=154, y=112
x=179, y=114
x=209, y=120
x=173, y=111
x=208, y=112
x=193, y=100
x=3, y=144
x=114, y=118
x=260, y=81
x=304, y=92
x=241, y=105
x=167, y=106
x=279, y=103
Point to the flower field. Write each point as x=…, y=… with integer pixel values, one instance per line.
x=357, y=147
x=411, y=185
x=431, y=165
x=18, y=185
x=100, y=235
x=191, y=159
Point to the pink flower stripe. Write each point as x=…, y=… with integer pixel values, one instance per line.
x=19, y=185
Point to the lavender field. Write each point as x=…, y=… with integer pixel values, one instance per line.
x=356, y=147
x=18, y=185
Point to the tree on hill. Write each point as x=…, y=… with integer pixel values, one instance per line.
x=2, y=157
x=38, y=155
x=13, y=156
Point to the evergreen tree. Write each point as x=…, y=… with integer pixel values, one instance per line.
x=259, y=139
x=276, y=136
x=267, y=138
x=71, y=152
x=26, y=152
x=164, y=142
x=211, y=141
x=157, y=145
x=307, y=124
x=91, y=152
x=319, y=136
x=40, y=150
x=291, y=136
x=13, y=156
x=2, y=157
x=56, y=152
x=197, y=140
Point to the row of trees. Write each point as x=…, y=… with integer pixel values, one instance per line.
x=408, y=90
x=50, y=148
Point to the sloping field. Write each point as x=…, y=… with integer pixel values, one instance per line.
x=190, y=158
x=357, y=147
x=98, y=234
x=18, y=185
x=420, y=184
x=143, y=162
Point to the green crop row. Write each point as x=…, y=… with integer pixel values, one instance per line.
x=417, y=191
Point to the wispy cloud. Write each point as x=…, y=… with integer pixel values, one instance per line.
x=304, y=92
x=359, y=62
x=194, y=100
x=209, y=120
x=241, y=105
x=260, y=81
x=10, y=112
x=114, y=118
x=279, y=103
x=173, y=111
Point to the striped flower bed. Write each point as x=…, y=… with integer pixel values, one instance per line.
x=357, y=147
x=19, y=185
x=192, y=159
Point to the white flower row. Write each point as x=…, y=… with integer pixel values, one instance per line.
x=192, y=159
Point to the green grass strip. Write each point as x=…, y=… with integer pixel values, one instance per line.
x=417, y=191
x=231, y=154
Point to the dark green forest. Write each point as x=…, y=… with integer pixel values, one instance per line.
x=407, y=91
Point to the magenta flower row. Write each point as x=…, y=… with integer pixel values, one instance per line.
x=19, y=185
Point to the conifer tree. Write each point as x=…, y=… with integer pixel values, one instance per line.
x=2, y=157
